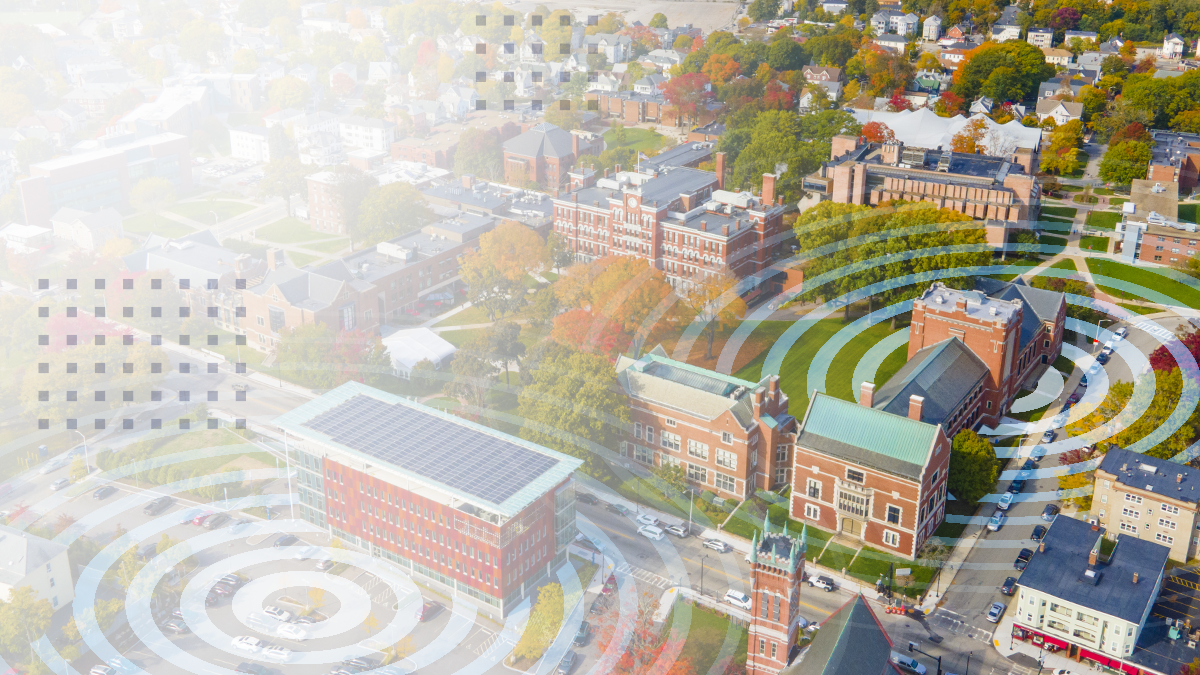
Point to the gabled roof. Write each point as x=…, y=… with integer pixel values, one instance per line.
x=1049, y=105
x=674, y=384
x=1037, y=305
x=851, y=642
x=866, y=436
x=542, y=140
x=21, y=553
x=943, y=374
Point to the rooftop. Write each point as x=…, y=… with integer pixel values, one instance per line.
x=1172, y=147
x=23, y=553
x=102, y=153
x=1061, y=570
x=542, y=140
x=1039, y=306
x=977, y=305
x=866, y=436
x=684, y=154
x=1160, y=476
x=851, y=642
x=681, y=386
x=479, y=465
x=944, y=374
x=923, y=128
x=1159, y=647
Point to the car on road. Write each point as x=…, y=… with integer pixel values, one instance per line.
x=907, y=664
x=650, y=532
x=646, y=519
x=1037, y=453
x=582, y=635
x=304, y=620
x=232, y=580
x=103, y=492
x=291, y=631
x=239, y=525
x=188, y=515
x=618, y=509
x=285, y=540
x=1038, y=533
x=996, y=611
x=586, y=498
x=211, y=598
x=157, y=506
x=717, y=545
x=222, y=589
x=1023, y=559
x=1006, y=501
x=177, y=626
x=60, y=484
x=1048, y=436
x=1027, y=468
x=1120, y=334
x=997, y=521
x=1102, y=358
x=1107, y=351
x=247, y=643
x=1009, y=586
x=277, y=653
x=277, y=613
x=1073, y=399
x=325, y=564
x=1016, y=486
x=241, y=386
x=428, y=610
x=737, y=599
x=250, y=669
x=677, y=530
x=824, y=583
x=216, y=520
x=306, y=553
x=1050, y=513
x=201, y=517
x=52, y=466
x=567, y=664
x=361, y=662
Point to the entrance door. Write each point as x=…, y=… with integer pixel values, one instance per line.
x=851, y=527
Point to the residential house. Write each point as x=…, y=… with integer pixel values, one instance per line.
x=932, y=28
x=932, y=81
x=24, y=239
x=1007, y=27
x=662, y=59
x=983, y=104
x=958, y=32
x=604, y=81
x=250, y=143
x=710, y=132
x=384, y=72
x=344, y=68
x=730, y=436
x=1060, y=111
x=1057, y=57
x=834, y=6
x=93, y=101
x=1112, y=46
x=894, y=20
x=457, y=101
x=1138, y=495
x=896, y=44
x=41, y=564
x=532, y=49
x=322, y=148
x=1067, y=86
x=1040, y=37
x=1083, y=35
x=821, y=74
x=88, y=231
x=1173, y=47
x=650, y=84
x=615, y=48
x=307, y=74
x=366, y=132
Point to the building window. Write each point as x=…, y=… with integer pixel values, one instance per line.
x=852, y=503
x=1126, y=527
x=814, y=489
x=1164, y=539
x=891, y=538
x=1130, y=513
x=1133, y=499
x=670, y=422
x=698, y=450
x=726, y=459
x=893, y=514
x=726, y=437
x=637, y=429
x=669, y=441
x=781, y=452
x=697, y=473
x=726, y=483
x=855, y=476
x=812, y=512
x=1173, y=510
x=643, y=455
x=781, y=474
x=650, y=435
x=1168, y=524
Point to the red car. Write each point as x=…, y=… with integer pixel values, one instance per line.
x=428, y=610
x=199, y=520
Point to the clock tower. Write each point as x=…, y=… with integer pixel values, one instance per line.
x=776, y=570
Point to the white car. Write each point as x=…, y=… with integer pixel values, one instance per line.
x=52, y=466
x=258, y=620
x=997, y=521
x=1121, y=334
x=739, y=600
x=291, y=631
x=247, y=643
x=1006, y=501
x=277, y=613
x=717, y=545
x=645, y=519
x=650, y=532
x=307, y=553
x=277, y=653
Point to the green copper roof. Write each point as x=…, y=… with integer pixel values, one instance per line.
x=876, y=431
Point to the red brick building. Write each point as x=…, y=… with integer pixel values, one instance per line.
x=730, y=436
x=466, y=507
x=776, y=570
x=681, y=220
x=1176, y=159
x=544, y=155
x=871, y=475
x=633, y=108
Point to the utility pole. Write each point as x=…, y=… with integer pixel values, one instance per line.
x=912, y=647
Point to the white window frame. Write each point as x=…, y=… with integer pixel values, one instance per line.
x=649, y=435
x=697, y=449
x=1131, y=513
x=669, y=441
x=1166, y=523
x=1133, y=499
x=1168, y=508
x=812, y=512
x=808, y=489
x=900, y=511
x=1164, y=538
x=669, y=422
x=726, y=438
x=725, y=482
x=727, y=459
x=891, y=538
x=1126, y=527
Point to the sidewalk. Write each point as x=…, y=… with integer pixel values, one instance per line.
x=1029, y=655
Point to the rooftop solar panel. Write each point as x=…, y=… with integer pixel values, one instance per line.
x=463, y=458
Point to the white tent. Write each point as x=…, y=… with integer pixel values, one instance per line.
x=923, y=128
x=407, y=348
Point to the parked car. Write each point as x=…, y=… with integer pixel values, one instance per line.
x=103, y=492
x=101, y=670
x=1038, y=533
x=582, y=635
x=677, y=530
x=567, y=664
x=428, y=610
x=1048, y=437
x=251, y=669
x=996, y=611
x=52, y=466
x=1120, y=334
x=222, y=589
x=997, y=521
x=325, y=564
x=824, y=583
x=1107, y=351
x=232, y=580
x=277, y=653
x=907, y=663
x=177, y=626
x=241, y=386
x=717, y=545
x=1006, y=501
x=277, y=613
x=60, y=484
x=1016, y=486
x=1023, y=559
x=650, y=532
x=239, y=525
x=201, y=517
x=1037, y=453
x=1102, y=358
x=618, y=509
x=291, y=631
x=1050, y=513
x=586, y=498
x=247, y=643
x=360, y=662
x=285, y=540
x=737, y=599
x=1074, y=398
x=1009, y=586
x=188, y=515
x=216, y=520
x=646, y=519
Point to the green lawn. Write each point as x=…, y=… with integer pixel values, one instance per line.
x=289, y=231
x=841, y=371
x=549, y=276
x=332, y=246
x=1187, y=212
x=638, y=139
x=471, y=315
x=872, y=563
x=1023, y=267
x=1094, y=244
x=202, y=211
x=1028, y=415
x=793, y=373
x=1117, y=201
x=1064, y=264
x=153, y=223
x=836, y=557
x=1138, y=309
x=1058, y=242
x=1103, y=220
x=706, y=634
x=1054, y=221
x=1180, y=292
x=1085, y=199
x=1064, y=365
x=1060, y=211
x=302, y=259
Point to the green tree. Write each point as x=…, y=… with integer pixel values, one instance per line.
x=198, y=38
x=544, y=307
x=284, y=177
x=1160, y=396
x=245, y=61
x=1024, y=67
x=544, y=621
x=659, y=20
x=473, y=371
x=289, y=92
x=1124, y=162
x=24, y=619
x=279, y=143
x=480, y=153
x=763, y=10
x=504, y=344
x=787, y=55
x=973, y=467
x=151, y=195
x=391, y=211
x=672, y=474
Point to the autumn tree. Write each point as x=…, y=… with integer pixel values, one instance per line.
x=878, y=132
x=289, y=92
x=545, y=619
x=1125, y=162
x=713, y=302
x=391, y=211
x=1159, y=394
x=688, y=94
x=970, y=139
x=1006, y=71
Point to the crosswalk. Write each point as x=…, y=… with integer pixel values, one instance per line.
x=955, y=624
x=644, y=575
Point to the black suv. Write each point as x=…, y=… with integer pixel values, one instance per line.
x=1023, y=559
x=1009, y=587
x=157, y=506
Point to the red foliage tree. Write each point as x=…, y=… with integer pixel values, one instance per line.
x=877, y=132
x=1066, y=18
x=897, y=103
x=775, y=98
x=687, y=93
x=83, y=328
x=590, y=333
x=1132, y=132
x=949, y=104
x=342, y=85
x=1162, y=360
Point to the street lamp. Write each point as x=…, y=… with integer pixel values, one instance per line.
x=1100, y=321
x=85, y=452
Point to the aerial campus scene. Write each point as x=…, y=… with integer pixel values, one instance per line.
x=839, y=337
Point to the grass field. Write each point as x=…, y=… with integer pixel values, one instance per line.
x=1057, y=243
x=332, y=246
x=706, y=633
x=1138, y=309
x=1187, y=212
x=841, y=371
x=202, y=211
x=470, y=315
x=288, y=231
x=1065, y=264
x=1117, y=201
x=1059, y=211
x=1094, y=244
x=301, y=259
x=836, y=557
x=1085, y=199
x=638, y=139
x=1181, y=293
x=1103, y=220
x=793, y=373
x=153, y=223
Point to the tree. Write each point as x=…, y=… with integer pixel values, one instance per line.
x=543, y=625
x=342, y=85
x=1022, y=67
x=948, y=105
x=672, y=474
x=787, y=55
x=659, y=20
x=352, y=191
x=878, y=132
x=1159, y=394
x=391, y=211
x=683, y=43
x=1161, y=359
x=199, y=37
x=24, y=619
x=245, y=61
x=284, y=177
x=970, y=139
x=973, y=467
x=763, y=10
x=885, y=71
x=473, y=371
x=1124, y=162
x=713, y=302
x=479, y=153
x=687, y=93
x=151, y=195
x=721, y=68
x=504, y=344
x=289, y=92
x=321, y=357
x=487, y=287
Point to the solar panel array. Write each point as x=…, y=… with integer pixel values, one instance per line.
x=463, y=458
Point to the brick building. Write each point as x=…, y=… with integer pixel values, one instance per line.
x=776, y=570
x=325, y=212
x=869, y=474
x=544, y=155
x=1150, y=228
x=729, y=435
x=363, y=290
x=1149, y=498
x=632, y=108
x=680, y=220
x=1175, y=159
x=468, y=508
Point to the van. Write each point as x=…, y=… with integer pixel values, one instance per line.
x=907, y=664
x=650, y=532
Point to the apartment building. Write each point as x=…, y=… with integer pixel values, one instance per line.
x=729, y=435
x=38, y=563
x=1007, y=27
x=1149, y=498
x=633, y=108
x=776, y=571
x=869, y=474
x=325, y=209
x=364, y=290
x=469, y=509
x=1150, y=226
x=1092, y=606
x=93, y=180
x=983, y=187
x=366, y=132
x=681, y=220
x=1175, y=158
x=250, y=143
x=1040, y=37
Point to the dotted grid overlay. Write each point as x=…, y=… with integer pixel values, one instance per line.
x=509, y=49
x=117, y=366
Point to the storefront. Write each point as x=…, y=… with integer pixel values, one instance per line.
x=1076, y=653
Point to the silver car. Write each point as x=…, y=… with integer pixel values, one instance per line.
x=996, y=611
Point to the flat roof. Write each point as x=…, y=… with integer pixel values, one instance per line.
x=1160, y=476
x=83, y=157
x=489, y=468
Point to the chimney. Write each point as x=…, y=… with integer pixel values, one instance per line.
x=1092, y=556
x=720, y=171
x=606, y=173
x=575, y=145
x=866, y=395
x=768, y=192
x=725, y=229
x=773, y=385
x=890, y=153
x=704, y=226
x=468, y=180
x=617, y=169
x=1178, y=478
x=915, y=405
x=1135, y=576
x=758, y=398
x=272, y=254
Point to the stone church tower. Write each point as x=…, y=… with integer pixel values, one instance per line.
x=776, y=570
